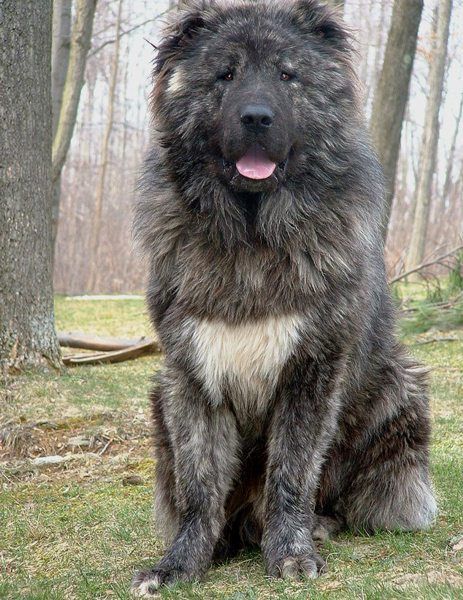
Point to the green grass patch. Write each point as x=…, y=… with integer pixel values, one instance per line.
x=433, y=304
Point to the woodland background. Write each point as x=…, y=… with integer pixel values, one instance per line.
x=114, y=104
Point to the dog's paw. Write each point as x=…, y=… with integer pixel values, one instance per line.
x=308, y=565
x=146, y=584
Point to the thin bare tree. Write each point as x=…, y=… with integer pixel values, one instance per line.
x=430, y=138
x=60, y=51
x=98, y=209
x=27, y=331
x=80, y=44
x=451, y=156
x=391, y=94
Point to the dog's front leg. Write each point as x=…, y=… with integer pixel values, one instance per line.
x=205, y=446
x=301, y=429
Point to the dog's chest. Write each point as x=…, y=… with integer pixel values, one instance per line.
x=246, y=359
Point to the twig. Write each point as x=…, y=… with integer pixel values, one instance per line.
x=425, y=265
x=101, y=452
x=435, y=340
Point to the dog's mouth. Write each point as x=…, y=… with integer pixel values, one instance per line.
x=255, y=164
x=254, y=169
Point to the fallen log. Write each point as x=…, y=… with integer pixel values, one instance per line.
x=102, y=344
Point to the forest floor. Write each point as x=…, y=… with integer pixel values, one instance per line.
x=78, y=528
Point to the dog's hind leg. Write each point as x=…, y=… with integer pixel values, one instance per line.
x=324, y=527
x=389, y=487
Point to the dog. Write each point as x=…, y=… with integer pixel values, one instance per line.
x=286, y=409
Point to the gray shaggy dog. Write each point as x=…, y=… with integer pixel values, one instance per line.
x=286, y=408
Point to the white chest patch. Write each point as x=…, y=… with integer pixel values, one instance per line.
x=248, y=358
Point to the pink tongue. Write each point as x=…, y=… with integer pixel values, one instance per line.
x=255, y=164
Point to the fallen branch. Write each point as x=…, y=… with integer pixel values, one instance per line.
x=102, y=344
x=435, y=340
x=109, y=350
x=425, y=265
x=112, y=357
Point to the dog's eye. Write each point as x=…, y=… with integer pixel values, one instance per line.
x=228, y=76
x=286, y=76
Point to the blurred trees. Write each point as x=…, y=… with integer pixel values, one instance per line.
x=384, y=83
x=60, y=48
x=429, y=145
x=27, y=333
x=68, y=79
x=100, y=190
x=451, y=157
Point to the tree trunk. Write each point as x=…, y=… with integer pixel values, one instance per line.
x=27, y=332
x=451, y=157
x=60, y=50
x=80, y=44
x=391, y=94
x=430, y=138
x=96, y=228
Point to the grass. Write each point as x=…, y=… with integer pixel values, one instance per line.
x=432, y=304
x=75, y=530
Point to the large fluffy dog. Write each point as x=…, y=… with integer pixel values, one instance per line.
x=286, y=407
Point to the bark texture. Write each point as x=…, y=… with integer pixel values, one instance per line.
x=27, y=333
x=80, y=45
x=392, y=90
x=430, y=138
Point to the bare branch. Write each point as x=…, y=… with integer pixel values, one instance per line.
x=126, y=32
x=426, y=265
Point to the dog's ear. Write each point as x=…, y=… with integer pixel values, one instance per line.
x=183, y=26
x=324, y=22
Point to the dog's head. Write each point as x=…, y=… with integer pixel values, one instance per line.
x=251, y=90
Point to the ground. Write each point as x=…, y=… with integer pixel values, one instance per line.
x=78, y=529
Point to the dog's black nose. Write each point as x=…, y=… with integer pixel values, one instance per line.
x=257, y=116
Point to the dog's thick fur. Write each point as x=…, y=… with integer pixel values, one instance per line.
x=286, y=407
